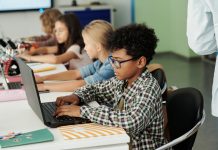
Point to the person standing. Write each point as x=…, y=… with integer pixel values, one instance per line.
x=202, y=33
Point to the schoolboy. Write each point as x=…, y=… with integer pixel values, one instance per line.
x=132, y=99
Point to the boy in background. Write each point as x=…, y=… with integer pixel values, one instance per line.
x=131, y=100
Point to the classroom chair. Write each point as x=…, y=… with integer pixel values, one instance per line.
x=160, y=76
x=185, y=112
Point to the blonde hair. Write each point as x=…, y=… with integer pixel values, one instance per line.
x=48, y=18
x=99, y=31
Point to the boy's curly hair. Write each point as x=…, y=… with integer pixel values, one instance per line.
x=137, y=39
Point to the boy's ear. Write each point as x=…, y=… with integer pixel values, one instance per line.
x=142, y=62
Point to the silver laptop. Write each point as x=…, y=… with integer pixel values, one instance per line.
x=46, y=110
x=9, y=85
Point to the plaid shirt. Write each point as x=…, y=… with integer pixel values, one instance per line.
x=142, y=117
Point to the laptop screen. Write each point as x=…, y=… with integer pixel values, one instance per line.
x=4, y=80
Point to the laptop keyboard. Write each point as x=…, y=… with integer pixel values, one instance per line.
x=51, y=107
x=14, y=85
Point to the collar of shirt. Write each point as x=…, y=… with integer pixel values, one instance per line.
x=122, y=84
x=123, y=90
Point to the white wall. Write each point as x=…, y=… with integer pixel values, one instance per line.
x=22, y=24
x=122, y=15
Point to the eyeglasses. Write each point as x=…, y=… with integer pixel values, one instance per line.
x=117, y=63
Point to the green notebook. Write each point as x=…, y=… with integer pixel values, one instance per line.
x=37, y=136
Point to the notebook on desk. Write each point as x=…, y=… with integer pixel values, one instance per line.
x=46, y=110
x=12, y=95
x=89, y=130
x=41, y=67
x=37, y=136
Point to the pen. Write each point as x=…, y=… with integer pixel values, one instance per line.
x=9, y=135
x=46, y=91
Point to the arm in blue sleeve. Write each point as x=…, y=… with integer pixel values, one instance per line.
x=88, y=69
x=103, y=73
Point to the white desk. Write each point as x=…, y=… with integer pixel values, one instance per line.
x=59, y=68
x=17, y=116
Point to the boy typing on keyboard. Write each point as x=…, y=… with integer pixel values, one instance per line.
x=132, y=99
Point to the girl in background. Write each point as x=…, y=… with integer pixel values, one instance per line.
x=95, y=36
x=48, y=19
x=70, y=45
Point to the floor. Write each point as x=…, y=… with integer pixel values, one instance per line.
x=183, y=72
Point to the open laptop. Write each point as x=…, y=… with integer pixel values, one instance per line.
x=46, y=110
x=10, y=94
x=9, y=85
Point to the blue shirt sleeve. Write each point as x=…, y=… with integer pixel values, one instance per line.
x=97, y=72
x=88, y=69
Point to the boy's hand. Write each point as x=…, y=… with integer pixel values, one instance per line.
x=68, y=110
x=72, y=99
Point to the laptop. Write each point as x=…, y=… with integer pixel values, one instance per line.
x=9, y=85
x=46, y=110
x=8, y=94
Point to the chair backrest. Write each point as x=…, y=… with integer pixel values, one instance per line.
x=160, y=76
x=184, y=110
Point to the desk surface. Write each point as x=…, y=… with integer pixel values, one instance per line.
x=17, y=116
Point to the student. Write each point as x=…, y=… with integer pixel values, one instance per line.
x=48, y=19
x=70, y=44
x=95, y=36
x=132, y=99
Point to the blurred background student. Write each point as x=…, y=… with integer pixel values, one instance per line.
x=70, y=46
x=95, y=36
x=48, y=19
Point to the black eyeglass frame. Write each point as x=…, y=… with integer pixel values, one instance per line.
x=118, y=63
